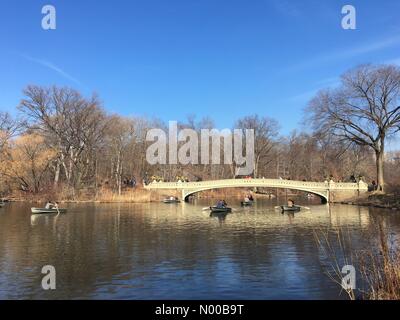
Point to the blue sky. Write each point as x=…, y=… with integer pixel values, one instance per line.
x=172, y=58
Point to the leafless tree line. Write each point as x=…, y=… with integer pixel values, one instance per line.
x=69, y=142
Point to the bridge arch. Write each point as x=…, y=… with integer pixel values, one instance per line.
x=186, y=194
x=328, y=191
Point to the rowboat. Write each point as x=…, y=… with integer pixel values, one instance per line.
x=47, y=211
x=220, y=209
x=247, y=203
x=293, y=208
x=171, y=201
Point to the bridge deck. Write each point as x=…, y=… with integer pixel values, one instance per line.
x=266, y=183
x=327, y=191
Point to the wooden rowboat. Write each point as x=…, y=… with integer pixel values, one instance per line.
x=171, y=201
x=293, y=208
x=220, y=210
x=47, y=211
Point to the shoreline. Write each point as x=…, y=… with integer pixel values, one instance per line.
x=140, y=196
x=370, y=205
x=377, y=200
x=360, y=203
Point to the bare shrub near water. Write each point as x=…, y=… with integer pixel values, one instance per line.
x=381, y=269
x=334, y=246
x=377, y=266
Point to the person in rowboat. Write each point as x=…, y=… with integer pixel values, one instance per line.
x=221, y=204
x=290, y=203
x=51, y=205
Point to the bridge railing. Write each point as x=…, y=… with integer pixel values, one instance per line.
x=272, y=183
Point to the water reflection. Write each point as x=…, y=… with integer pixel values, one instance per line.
x=146, y=251
x=221, y=216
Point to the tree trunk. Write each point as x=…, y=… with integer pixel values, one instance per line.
x=57, y=174
x=255, y=165
x=120, y=180
x=380, y=157
x=379, y=170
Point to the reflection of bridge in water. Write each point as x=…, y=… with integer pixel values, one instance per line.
x=328, y=191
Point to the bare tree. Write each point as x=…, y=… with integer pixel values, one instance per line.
x=8, y=128
x=265, y=132
x=120, y=135
x=364, y=110
x=28, y=161
x=70, y=122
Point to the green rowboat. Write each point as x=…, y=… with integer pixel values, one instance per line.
x=47, y=211
x=220, y=210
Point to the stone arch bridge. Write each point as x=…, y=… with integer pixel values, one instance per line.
x=328, y=191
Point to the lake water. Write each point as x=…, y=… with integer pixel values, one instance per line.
x=159, y=251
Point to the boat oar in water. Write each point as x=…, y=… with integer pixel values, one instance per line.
x=210, y=208
x=299, y=207
x=57, y=209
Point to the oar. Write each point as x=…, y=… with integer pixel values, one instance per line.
x=206, y=208
x=302, y=207
x=57, y=209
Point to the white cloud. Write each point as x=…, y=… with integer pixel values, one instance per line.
x=286, y=8
x=51, y=66
x=347, y=53
x=306, y=96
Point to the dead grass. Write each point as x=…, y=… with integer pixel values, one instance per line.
x=381, y=269
x=137, y=195
x=131, y=196
x=378, y=267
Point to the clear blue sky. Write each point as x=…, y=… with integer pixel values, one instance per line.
x=171, y=58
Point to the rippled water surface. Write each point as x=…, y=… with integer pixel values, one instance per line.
x=158, y=251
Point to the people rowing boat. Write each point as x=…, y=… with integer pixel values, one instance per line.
x=221, y=207
x=51, y=205
x=248, y=200
x=171, y=200
x=290, y=206
x=221, y=204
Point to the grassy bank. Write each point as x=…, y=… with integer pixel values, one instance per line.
x=378, y=200
x=136, y=195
